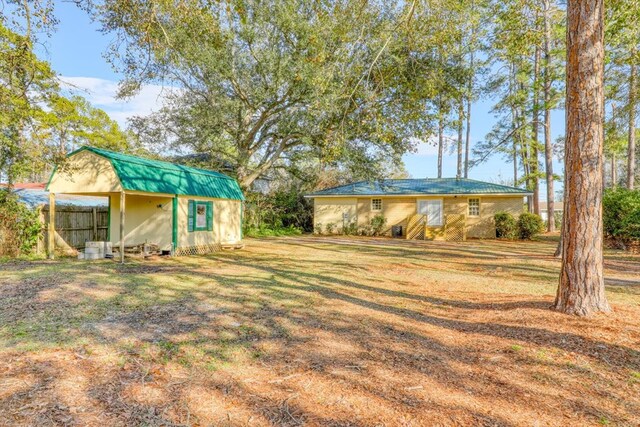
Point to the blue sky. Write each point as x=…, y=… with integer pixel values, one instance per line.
x=76, y=52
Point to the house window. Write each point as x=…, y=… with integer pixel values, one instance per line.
x=376, y=204
x=200, y=215
x=432, y=209
x=474, y=207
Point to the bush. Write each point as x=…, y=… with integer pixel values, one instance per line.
x=506, y=225
x=378, y=223
x=272, y=231
x=621, y=211
x=330, y=227
x=20, y=226
x=529, y=225
x=350, y=229
x=318, y=228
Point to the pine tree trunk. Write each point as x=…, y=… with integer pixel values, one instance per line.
x=467, y=142
x=460, y=124
x=631, y=150
x=614, y=178
x=440, y=140
x=548, y=148
x=535, y=180
x=581, y=288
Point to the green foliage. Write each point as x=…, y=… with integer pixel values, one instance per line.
x=330, y=227
x=621, y=212
x=318, y=228
x=20, y=226
x=266, y=83
x=281, y=210
x=39, y=124
x=350, y=229
x=272, y=232
x=506, y=225
x=378, y=224
x=529, y=225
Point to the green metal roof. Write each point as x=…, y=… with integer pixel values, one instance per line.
x=427, y=186
x=154, y=176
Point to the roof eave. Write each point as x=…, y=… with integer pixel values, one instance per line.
x=311, y=196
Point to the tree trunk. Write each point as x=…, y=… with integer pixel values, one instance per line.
x=548, y=148
x=440, y=140
x=535, y=180
x=467, y=142
x=460, y=124
x=631, y=153
x=614, y=178
x=581, y=288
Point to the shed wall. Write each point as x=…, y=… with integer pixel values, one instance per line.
x=227, y=223
x=85, y=172
x=144, y=222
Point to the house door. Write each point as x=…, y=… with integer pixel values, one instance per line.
x=432, y=210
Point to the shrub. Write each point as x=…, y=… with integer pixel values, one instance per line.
x=330, y=227
x=529, y=225
x=621, y=211
x=20, y=226
x=350, y=229
x=506, y=225
x=378, y=223
x=318, y=228
x=272, y=231
x=365, y=230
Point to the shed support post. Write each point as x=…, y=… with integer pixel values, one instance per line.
x=122, y=201
x=51, y=244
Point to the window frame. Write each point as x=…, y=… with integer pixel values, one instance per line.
x=440, y=217
x=374, y=209
x=196, y=204
x=469, y=207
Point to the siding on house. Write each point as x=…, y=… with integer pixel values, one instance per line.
x=397, y=210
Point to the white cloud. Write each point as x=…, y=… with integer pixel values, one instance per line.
x=101, y=93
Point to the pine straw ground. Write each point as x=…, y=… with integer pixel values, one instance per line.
x=317, y=331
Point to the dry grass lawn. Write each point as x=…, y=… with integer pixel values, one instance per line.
x=317, y=331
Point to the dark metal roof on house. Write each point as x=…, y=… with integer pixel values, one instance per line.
x=427, y=186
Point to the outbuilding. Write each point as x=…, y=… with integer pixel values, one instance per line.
x=430, y=208
x=180, y=209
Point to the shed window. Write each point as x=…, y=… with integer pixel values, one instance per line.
x=474, y=207
x=376, y=204
x=200, y=215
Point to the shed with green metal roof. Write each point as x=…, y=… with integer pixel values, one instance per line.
x=430, y=208
x=173, y=207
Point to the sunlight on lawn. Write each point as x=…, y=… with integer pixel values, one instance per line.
x=317, y=330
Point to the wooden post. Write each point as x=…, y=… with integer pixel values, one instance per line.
x=51, y=244
x=95, y=224
x=122, y=200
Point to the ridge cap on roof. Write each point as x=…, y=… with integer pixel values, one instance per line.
x=141, y=161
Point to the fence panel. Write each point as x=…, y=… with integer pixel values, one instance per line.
x=78, y=224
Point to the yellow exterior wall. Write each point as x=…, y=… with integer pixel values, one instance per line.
x=227, y=218
x=85, y=172
x=144, y=221
x=328, y=210
x=483, y=226
x=398, y=209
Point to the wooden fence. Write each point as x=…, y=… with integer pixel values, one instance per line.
x=78, y=224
